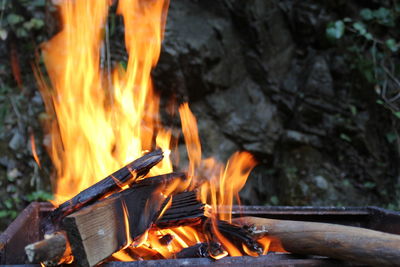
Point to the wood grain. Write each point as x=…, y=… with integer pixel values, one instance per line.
x=111, y=184
x=103, y=228
x=348, y=243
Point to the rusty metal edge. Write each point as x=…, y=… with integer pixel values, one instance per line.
x=271, y=259
x=14, y=227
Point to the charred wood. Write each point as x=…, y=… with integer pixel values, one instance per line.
x=112, y=183
x=236, y=234
x=166, y=239
x=185, y=209
x=201, y=250
x=105, y=227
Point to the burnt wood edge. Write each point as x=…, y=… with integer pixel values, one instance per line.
x=69, y=223
x=105, y=186
x=76, y=241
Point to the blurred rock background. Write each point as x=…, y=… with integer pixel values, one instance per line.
x=310, y=87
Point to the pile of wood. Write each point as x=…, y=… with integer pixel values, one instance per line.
x=118, y=211
x=105, y=218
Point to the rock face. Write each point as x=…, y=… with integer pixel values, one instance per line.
x=260, y=77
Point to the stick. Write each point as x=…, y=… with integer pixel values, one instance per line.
x=97, y=231
x=108, y=185
x=348, y=243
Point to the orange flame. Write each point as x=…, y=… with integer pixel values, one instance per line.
x=92, y=135
x=98, y=127
x=34, y=153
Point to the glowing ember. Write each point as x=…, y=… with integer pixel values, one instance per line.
x=99, y=127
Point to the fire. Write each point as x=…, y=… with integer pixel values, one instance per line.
x=34, y=153
x=97, y=126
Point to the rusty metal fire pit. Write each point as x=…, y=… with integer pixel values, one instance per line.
x=25, y=230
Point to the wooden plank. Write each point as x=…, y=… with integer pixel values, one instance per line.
x=112, y=183
x=99, y=230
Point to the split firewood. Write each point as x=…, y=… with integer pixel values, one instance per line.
x=355, y=244
x=107, y=226
x=111, y=184
x=54, y=249
x=47, y=250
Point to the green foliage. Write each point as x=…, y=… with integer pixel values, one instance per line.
x=382, y=16
x=39, y=196
x=371, y=42
x=392, y=44
x=9, y=208
x=391, y=137
x=369, y=185
x=335, y=30
x=345, y=137
x=23, y=18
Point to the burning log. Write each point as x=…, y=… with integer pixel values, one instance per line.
x=145, y=198
x=238, y=235
x=354, y=244
x=112, y=183
x=95, y=232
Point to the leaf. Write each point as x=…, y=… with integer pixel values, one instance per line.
x=3, y=34
x=13, y=19
x=368, y=36
x=4, y=213
x=366, y=14
x=384, y=17
x=391, y=137
x=360, y=27
x=8, y=203
x=37, y=23
x=369, y=185
x=21, y=32
x=274, y=200
x=39, y=195
x=353, y=110
x=345, y=137
x=392, y=45
x=397, y=114
x=335, y=30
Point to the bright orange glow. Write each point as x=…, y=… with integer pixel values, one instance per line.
x=126, y=225
x=123, y=256
x=34, y=153
x=99, y=129
x=191, y=135
x=96, y=127
x=265, y=242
